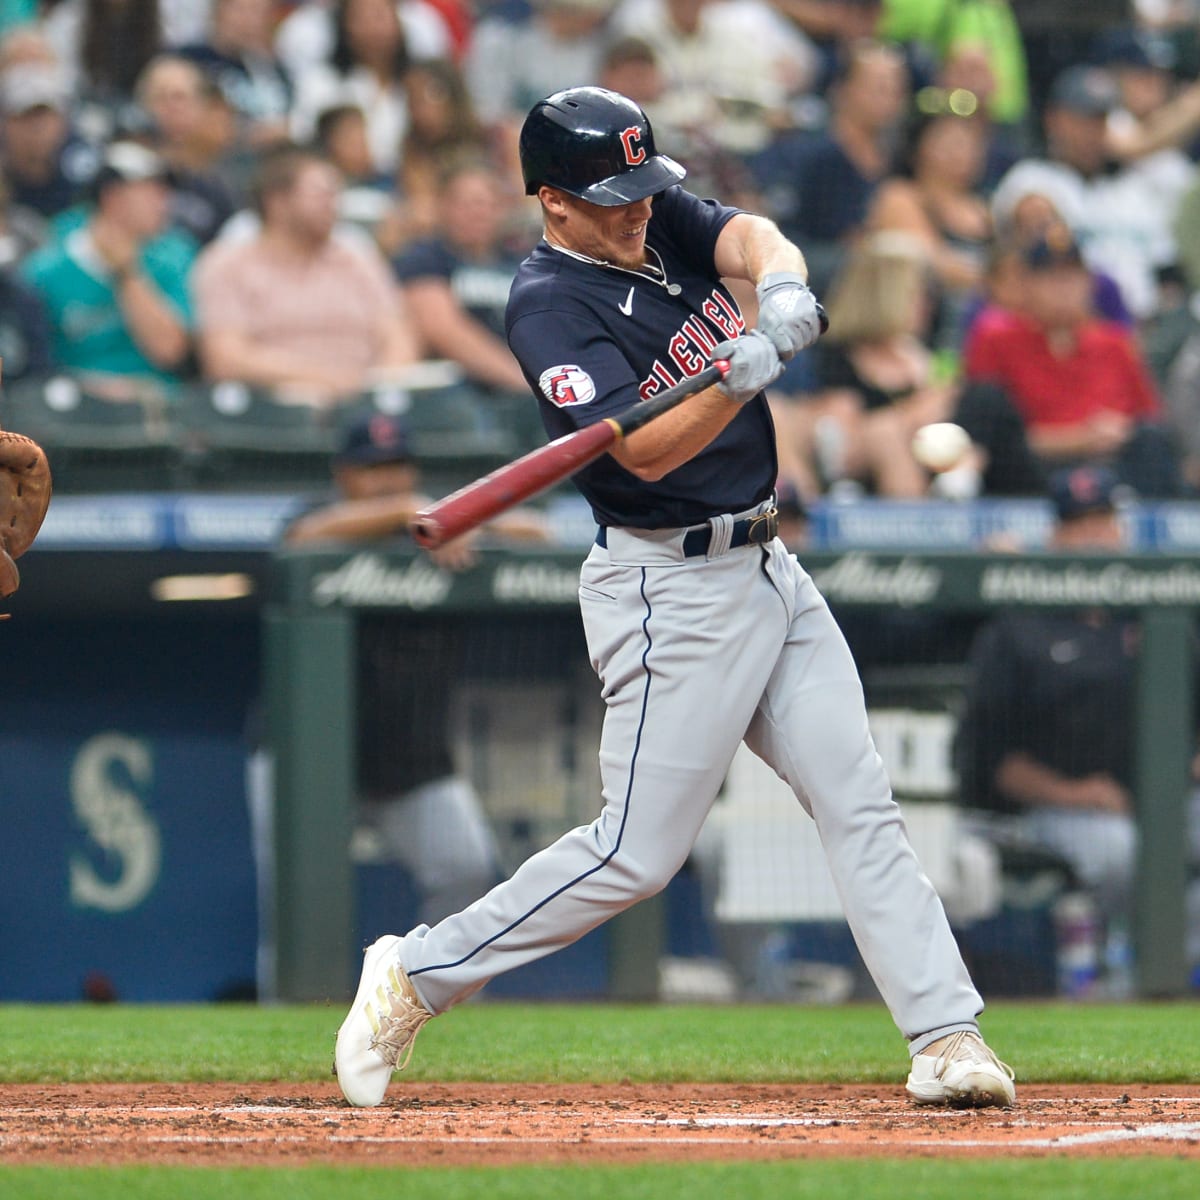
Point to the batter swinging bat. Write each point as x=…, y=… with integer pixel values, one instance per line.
x=547, y=465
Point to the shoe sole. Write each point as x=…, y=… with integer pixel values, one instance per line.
x=981, y=1095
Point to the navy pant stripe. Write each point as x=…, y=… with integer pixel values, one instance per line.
x=566, y=887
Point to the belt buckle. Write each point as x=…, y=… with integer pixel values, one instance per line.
x=763, y=528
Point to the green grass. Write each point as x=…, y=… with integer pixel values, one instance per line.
x=871, y=1179
x=1048, y=1042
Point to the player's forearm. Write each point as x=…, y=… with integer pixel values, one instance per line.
x=677, y=436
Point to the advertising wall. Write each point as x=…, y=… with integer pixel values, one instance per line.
x=125, y=864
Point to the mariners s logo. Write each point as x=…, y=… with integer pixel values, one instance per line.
x=566, y=386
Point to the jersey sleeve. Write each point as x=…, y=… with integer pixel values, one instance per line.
x=691, y=227
x=579, y=374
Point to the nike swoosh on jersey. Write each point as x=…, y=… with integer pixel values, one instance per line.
x=627, y=307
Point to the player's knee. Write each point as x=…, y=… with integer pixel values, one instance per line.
x=641, y=880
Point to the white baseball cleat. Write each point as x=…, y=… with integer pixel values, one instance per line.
x=377, y=1036
x=964, y=1073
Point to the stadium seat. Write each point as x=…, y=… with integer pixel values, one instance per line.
x=95, y=443
x=456, y=433
x=233, y=436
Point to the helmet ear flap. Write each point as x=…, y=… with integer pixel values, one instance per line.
x=595, y=145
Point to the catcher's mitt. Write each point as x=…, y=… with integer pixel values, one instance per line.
x=24, y=498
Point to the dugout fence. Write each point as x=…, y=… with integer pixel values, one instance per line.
x=526, y=720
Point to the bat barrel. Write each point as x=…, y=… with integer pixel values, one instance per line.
x=509, y=485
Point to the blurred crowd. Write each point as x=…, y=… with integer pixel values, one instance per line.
x=999, y=201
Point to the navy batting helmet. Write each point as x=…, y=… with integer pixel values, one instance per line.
x=594, y=144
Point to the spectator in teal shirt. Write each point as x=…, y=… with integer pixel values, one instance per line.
x=115, y=287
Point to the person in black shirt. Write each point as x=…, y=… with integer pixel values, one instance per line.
x=1047, y=734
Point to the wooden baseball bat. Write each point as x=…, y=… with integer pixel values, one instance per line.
x=534, y=472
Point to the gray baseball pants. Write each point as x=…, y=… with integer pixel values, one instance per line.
x=693, y=655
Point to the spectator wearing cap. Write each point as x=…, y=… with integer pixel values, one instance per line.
x=377, y=494
x=1029, y=203
x=116, y=286
x=314, y=316
x=1057, y=34
x=47, y=165
x=1080, y=383
x=1122, y=214
x=1156, y=111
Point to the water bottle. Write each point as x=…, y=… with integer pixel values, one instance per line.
x=1077, y=930
x=1120, y=975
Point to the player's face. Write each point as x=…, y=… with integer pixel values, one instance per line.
x=614, y=234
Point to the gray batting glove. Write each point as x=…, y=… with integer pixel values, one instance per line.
x=753, y=364
x=787, y=312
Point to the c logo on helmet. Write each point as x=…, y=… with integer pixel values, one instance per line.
x=631, y=142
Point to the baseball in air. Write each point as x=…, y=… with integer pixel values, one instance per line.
x=940, y=446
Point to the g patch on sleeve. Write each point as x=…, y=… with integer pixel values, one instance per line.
x=566, y=386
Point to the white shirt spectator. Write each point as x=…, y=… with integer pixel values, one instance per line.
x=739, y=60
x=385, y=108
x=1124, y=219
x=305, y=37
x=511, y=66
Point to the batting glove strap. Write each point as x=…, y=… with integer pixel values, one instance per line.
x=753, y=365
x=788, y=312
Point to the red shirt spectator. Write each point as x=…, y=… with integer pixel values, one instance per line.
x=1080, y=383
x=1099, y=371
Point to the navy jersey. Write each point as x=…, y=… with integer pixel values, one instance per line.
x=593, y=340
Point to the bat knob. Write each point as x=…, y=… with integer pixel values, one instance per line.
x=425, y=531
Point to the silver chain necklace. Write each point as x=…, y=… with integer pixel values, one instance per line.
x=656, y=274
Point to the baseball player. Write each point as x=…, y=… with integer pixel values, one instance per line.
x=703, y=629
